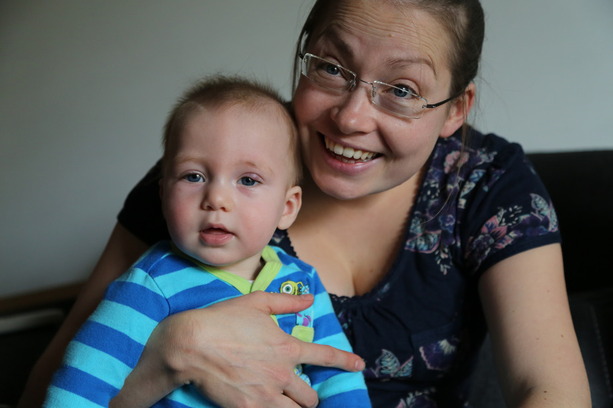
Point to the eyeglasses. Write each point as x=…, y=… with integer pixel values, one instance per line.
x=399, y=100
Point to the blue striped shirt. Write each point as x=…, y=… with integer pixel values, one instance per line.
x=164, y=282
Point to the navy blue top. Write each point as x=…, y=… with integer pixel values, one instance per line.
x=419, y=329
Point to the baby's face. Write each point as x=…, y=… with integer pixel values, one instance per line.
x=227, y=185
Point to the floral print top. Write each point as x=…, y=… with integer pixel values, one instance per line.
x=420, y=328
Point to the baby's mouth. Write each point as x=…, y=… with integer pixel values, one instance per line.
x=348, y=154
x=215, y=235
x=213, y=230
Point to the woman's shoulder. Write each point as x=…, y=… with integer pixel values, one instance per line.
x=471, y=149
x=471, y=162
x=492, y=195
x=476, y=168
x=142, y=210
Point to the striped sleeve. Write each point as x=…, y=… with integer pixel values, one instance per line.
x=334, y=387
x=109, y=344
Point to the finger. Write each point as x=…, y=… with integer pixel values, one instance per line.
x=143, y=387
x=283, y=401
x=327, y=356
x=280, y=303
x=301, y=393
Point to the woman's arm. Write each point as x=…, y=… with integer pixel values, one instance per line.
x=526, y=306
x=234, y=353
x=121, y=251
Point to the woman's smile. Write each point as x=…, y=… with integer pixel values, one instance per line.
x=348, y=154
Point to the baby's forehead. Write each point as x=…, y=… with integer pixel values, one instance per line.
x=279, y=116
x=264, y=108
x=251, y=115
x=258, y=104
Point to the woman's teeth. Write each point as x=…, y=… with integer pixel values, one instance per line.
x=348, y=152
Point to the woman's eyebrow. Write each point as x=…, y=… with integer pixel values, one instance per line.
x=410, y=61
x=332, y=34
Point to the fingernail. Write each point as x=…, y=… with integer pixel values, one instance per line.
x=360, y=365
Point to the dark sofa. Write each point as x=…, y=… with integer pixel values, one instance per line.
x=581, y=187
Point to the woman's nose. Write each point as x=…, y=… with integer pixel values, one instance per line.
x=355, y=111
x=217, y=197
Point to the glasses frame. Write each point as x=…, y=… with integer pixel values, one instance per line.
x=352, y=84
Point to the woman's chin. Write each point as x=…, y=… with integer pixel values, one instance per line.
x=338, y=187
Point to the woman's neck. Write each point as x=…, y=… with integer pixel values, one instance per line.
x=352, y=243
x=317, y=205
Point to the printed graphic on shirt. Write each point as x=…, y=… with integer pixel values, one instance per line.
x=294, y=288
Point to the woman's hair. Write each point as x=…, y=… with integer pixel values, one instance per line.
x=226, y=91
x=463, y=20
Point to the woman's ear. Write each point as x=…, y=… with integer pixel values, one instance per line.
x=293, y=202
x=459, y=110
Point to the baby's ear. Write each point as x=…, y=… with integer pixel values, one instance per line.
x=293, y=202
x=458, y=113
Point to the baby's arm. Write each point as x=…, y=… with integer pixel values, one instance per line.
x=335, y=387
x=109, y=344
x=121, y=251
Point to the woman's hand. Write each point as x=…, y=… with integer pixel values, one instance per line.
x=234, y=353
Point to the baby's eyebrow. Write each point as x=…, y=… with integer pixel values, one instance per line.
x=184, y=158
x=259, y=167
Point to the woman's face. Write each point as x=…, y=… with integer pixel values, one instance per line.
x=377, y=41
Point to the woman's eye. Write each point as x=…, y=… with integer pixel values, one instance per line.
x=403, y=91
x=328, y=68
x=332, y=69
x=194, y=178
x=248, y=181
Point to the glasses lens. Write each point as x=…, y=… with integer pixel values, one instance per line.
x=398, y=100
x=326, y=74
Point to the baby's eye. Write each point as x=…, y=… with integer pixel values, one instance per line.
x=194, y=178
x=248, y=181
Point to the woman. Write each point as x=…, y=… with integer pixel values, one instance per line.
x=425, y=230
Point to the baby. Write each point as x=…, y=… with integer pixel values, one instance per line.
x=231, y=173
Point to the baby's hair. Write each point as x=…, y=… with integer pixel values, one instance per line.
x=221, y=91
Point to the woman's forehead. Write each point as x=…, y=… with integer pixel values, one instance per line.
x=389, y=31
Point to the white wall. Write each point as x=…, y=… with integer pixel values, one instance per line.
x=547, y=73
x=85, y=87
